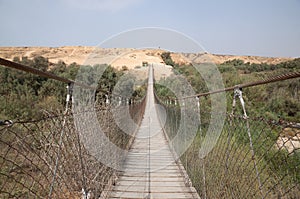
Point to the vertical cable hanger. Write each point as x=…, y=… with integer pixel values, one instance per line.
x=239, y=93
x=68, y=97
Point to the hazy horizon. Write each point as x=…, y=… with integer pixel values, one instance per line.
x=218, y=54
x=268, y=28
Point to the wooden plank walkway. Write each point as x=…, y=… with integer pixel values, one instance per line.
x=150, y=170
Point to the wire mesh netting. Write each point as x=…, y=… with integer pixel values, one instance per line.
x=46, y=158
x=252, y=158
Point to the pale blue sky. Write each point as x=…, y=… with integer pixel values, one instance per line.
x=240, y=27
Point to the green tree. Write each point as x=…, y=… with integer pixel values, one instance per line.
x=166, y=57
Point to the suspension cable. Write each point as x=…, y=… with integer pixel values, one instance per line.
x=40, y=73
x=35, y=71
x=250, y=84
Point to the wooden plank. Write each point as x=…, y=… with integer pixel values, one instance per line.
x=150, y=170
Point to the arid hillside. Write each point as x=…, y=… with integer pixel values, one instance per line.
x=186, y=58
x=119, y=58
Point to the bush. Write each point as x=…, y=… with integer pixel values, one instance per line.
x=166, y=56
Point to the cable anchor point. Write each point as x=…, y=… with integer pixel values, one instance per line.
x=238, y=92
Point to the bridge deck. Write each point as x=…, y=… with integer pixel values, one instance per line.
x=150, y=169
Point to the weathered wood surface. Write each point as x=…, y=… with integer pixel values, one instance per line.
x=150, y=170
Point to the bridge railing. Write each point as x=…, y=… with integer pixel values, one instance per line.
x=47, y=157
x=254, y=157
x=38, y=161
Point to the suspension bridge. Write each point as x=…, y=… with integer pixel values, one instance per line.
x=46, y=158
x=150, y=169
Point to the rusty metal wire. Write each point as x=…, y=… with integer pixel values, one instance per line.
x=251, y=84
x=293, y=75
x=29, y=151
x=253, y=158
x=35, y=71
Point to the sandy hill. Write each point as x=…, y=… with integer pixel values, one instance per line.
x=119, y=57
x=186, y=58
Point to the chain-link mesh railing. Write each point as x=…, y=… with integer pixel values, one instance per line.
x=253, y=157
x=46, y=158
